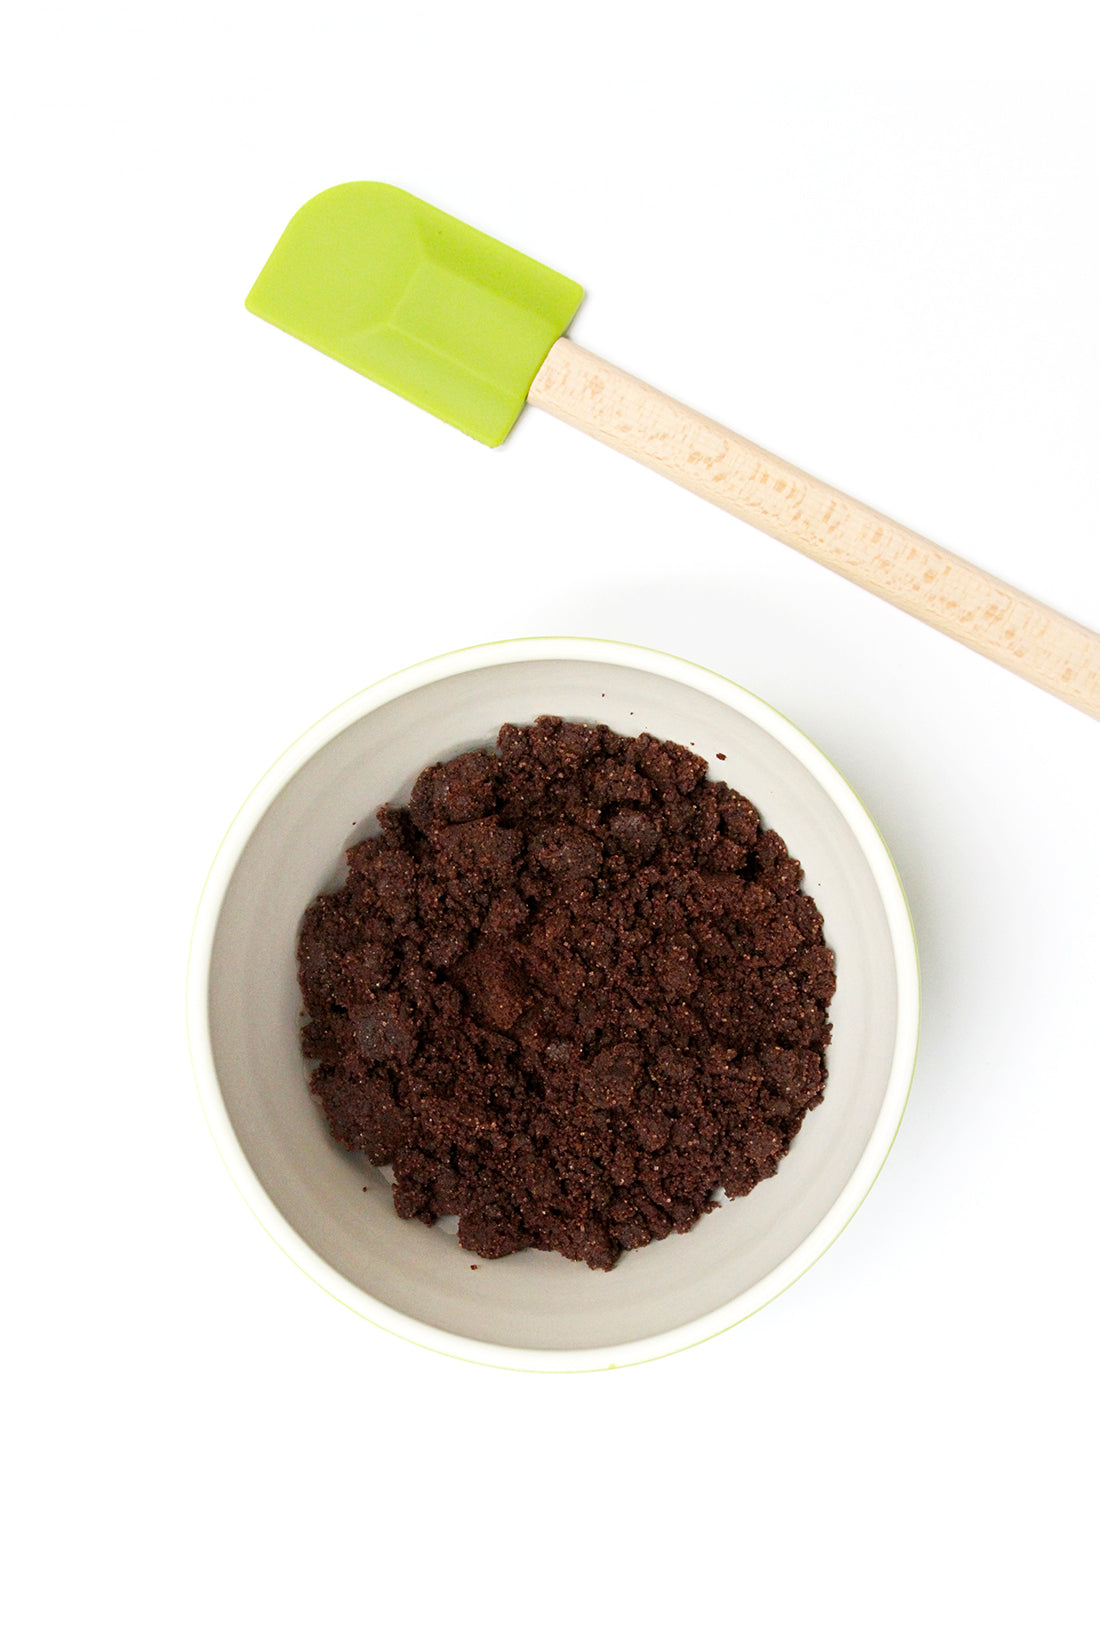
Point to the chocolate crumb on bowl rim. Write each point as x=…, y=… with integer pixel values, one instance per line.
x=286, y=845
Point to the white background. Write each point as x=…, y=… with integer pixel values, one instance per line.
x=214, y=535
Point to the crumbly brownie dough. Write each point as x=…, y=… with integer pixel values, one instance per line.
x=568, y=992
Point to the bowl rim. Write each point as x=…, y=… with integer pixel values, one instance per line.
x=457, y=662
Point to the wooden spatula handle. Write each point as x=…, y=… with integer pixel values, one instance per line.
x=1009, y=627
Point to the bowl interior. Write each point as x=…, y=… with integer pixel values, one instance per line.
x=532, y=1300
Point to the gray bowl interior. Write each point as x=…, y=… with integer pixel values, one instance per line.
x=532, y=1300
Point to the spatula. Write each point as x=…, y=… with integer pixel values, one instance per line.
x=472, y=331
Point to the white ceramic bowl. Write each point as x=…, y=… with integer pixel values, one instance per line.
x=537, y=1311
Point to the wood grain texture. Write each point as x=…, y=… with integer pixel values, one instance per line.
x=993, y=618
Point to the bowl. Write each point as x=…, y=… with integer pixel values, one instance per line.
x=537, y=1311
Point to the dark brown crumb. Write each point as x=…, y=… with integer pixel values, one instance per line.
x=719, y=756
x=569, y=992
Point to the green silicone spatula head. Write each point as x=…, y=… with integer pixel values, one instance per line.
x=423, y=304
